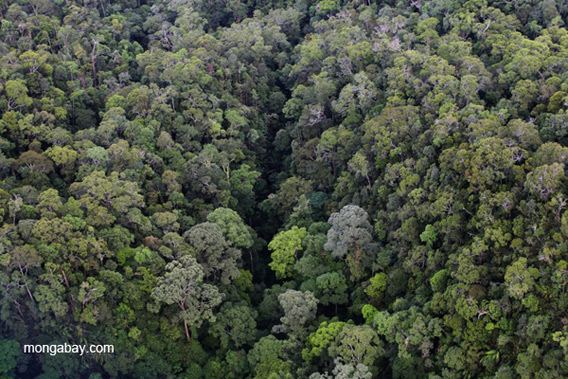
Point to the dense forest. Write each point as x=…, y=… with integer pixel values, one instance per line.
x=284, y=188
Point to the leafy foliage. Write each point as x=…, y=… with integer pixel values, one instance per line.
x=284, y=189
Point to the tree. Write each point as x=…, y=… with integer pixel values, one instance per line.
x=166, y=221
x=183, y=285
x=349, y=235
x=206, y=178
x=235, y=325
x=231, y=224
x=454, y=358
x=170, y=179
x=9, y=350
x=266, y=358
x=16, y=94
x=350, y=231
x=520, y=279
x=49, y=294
x=331, y=288
x=117, y=238
x=100, y=194
x=24, y=258
x=428, y=235
x=98, y=156
x=299, y=309
x=89, y=292
x=377, y=286
x=49, y=203
x=242, y=181
x=439, y=280
x=285, y=246
x=318, y=342
x=360, y=167
x=212, y=251
x=345, y=371
x=544, y=180
x=35, y=162
x=358, y=344
x=289, y=193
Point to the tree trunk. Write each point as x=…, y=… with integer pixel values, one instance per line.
x=65, y=278
x=103, y=8
x=94, y=66
x=251, y=263
x=186, y=331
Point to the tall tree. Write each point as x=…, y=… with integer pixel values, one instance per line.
x=183, y=285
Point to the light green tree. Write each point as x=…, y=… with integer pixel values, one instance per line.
x=285, y=247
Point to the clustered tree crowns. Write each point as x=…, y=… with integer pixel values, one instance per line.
x=393, y=172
